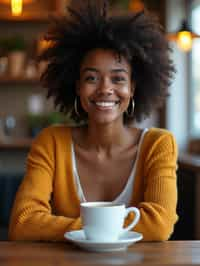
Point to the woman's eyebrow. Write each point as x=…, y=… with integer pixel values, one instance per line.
x=90, y=69
x=112, y=70
x=119, y=70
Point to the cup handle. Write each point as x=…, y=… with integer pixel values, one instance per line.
x=136, y=219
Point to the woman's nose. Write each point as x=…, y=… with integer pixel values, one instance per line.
x=105, y=86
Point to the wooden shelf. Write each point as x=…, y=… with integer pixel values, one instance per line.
x=15, y=143
x=18, y=81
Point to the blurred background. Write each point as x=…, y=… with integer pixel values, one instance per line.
x=24, y=110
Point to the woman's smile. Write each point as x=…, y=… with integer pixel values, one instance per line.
x=105, y=105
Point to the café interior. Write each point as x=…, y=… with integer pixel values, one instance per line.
x=24, y=109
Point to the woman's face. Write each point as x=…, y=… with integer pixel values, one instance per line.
x=105, y=86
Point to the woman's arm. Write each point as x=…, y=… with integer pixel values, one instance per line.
x=158, y=209
x=32, y=217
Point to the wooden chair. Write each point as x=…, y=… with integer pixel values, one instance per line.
x=194, y=146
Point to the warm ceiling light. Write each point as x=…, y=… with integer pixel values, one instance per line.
x=136, y=5
x=184, y=40
x=9, y=1
x=183, y=37
x=16, y=5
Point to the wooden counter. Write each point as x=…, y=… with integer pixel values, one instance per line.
x=149, y=253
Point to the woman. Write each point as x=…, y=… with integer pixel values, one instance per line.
x=108, y=71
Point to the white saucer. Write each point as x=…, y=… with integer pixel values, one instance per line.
x=78, y=238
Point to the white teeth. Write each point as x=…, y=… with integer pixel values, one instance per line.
x=105, y=104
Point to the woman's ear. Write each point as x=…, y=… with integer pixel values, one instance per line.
x=78, y=87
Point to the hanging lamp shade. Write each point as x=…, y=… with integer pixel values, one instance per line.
x=9, y=1
x=16, y=5
x=183, y=37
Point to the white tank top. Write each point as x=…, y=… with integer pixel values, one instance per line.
x=125, y=196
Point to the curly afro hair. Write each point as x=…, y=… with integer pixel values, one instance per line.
x=137, y=36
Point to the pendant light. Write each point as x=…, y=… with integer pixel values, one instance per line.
x=16, y=5
x=183, y=37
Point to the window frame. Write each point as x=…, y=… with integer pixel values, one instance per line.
x=193, y=131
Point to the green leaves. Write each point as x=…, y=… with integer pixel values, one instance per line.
x=13, y=43
x=119, y=3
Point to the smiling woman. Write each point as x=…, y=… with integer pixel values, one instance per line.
x=105, y=87
x=107, y=72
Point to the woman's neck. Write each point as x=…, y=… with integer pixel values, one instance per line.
x=107, y=138
x=105, y=135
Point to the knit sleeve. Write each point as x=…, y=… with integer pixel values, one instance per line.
x=158, y=208
x=32, y=217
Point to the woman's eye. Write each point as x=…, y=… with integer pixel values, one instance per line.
x=91, y=78
x=118, y=79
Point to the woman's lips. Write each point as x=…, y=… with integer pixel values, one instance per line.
x=105, y=105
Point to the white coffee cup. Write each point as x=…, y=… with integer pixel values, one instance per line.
x=103, y=221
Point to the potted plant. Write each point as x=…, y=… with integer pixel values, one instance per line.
x=16, y=47
x=131, y=5
x=36, y=122
x=120, y=3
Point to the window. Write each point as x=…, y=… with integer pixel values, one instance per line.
x=194, y=93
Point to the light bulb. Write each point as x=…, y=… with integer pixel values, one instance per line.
x=16, y=7
x=184, y=40
x=136, y=5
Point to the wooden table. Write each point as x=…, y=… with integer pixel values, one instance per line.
x=60, y=254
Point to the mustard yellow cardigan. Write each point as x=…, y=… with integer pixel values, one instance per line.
x=47, y=203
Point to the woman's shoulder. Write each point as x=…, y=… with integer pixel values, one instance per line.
x=155, y=133
x=56, y=129
x=57, y=132
x=159, y=139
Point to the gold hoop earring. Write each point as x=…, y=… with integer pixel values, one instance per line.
x=76, y=107
x=130, y=109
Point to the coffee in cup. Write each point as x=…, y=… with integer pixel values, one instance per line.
x=103, y=221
